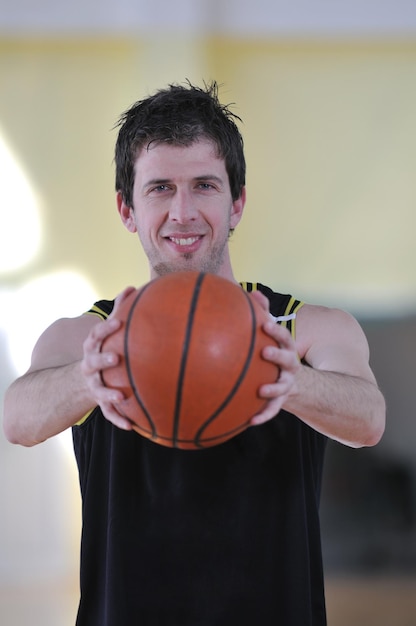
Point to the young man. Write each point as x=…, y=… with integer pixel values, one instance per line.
x=230, y=534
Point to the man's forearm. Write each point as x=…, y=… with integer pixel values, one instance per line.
x=44, y=403
x=345, y=408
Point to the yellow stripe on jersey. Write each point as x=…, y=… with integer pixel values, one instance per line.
x=290, y=312
x=95, y=310
x=288, y=320
x=84, y=419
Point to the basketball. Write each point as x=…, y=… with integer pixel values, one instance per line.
x=190, y=362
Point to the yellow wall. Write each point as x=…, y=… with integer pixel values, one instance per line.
x=58, y=104
x=330, y=132
x=330, y=139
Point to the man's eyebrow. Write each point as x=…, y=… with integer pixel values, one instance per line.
x=156, y=181
x=207, y=177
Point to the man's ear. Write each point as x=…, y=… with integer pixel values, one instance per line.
x=237, y=209
x=126, y=213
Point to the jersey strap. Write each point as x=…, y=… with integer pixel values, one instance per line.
x=283, y=307
x=102, y=308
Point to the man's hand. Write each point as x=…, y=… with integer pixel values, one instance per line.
x=95, y=361
x=285, y=357
x=326, y=380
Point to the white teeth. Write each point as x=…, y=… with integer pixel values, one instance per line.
x=184, y=241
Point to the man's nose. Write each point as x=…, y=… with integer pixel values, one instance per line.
x=183, y=208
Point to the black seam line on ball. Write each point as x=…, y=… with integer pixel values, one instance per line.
x=184, y=357
x=239, y=380
x=128, y=364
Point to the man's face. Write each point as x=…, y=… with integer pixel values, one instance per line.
x=182, y=208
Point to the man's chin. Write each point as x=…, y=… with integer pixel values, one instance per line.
x=186, y=264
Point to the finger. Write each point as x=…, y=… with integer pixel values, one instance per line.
x=111, y=413
x=280, y=334
x=271, y=410
x=277, y=390
x=97, y=335
x=109, y=399
x=121, y=298
x=261, y=299
x=95, y=362
x=103, y=330
x=105, y=396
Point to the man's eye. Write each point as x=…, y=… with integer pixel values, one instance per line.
x=206, y=186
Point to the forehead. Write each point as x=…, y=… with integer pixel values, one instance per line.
x=170, y=161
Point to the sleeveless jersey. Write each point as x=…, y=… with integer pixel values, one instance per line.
x=223, y=536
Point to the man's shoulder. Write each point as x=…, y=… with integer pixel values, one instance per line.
x=319, y=325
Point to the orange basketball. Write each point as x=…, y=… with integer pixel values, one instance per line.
x=190, y=359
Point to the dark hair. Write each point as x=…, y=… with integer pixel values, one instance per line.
x=179, y=115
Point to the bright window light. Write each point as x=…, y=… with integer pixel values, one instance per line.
x=20, y=229
x=29, y=310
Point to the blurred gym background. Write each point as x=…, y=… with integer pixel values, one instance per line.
x=327, y=94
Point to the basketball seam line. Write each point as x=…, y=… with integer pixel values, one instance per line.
x=239, y=379
x=128, y=364
x=185, y=350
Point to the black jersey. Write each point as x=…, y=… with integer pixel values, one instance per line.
x=222, y=536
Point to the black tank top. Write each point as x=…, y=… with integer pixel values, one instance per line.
x=223, y=536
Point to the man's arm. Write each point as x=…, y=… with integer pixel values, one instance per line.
x=52, y=395
x=334, y=389
x=63, y=382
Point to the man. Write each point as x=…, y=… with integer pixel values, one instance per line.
x=230, y=534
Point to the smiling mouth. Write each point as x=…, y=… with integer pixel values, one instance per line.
x=184, y=241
